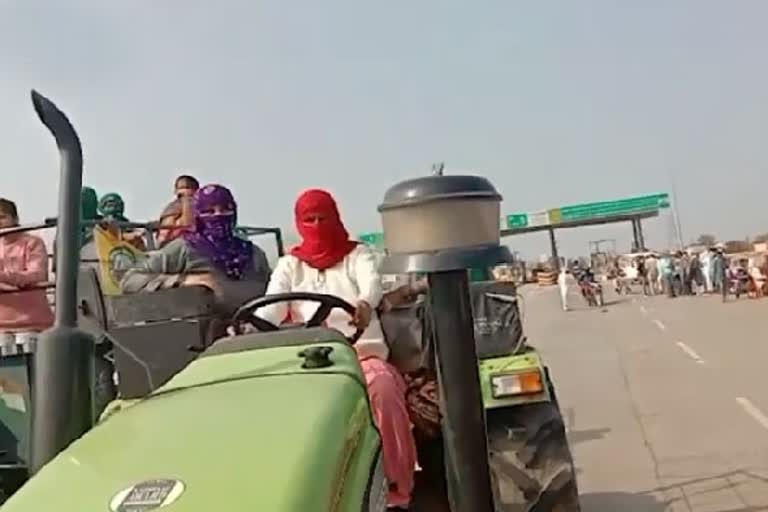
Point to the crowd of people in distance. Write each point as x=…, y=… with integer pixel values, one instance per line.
x=674, y=274
x=682, y=273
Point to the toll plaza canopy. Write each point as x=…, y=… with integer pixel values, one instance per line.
x=578, y=223
x=586, y=214
x=631, y=209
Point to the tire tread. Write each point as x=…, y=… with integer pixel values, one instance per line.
x=530, y=460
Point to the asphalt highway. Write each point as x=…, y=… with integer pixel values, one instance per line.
x=665, y=400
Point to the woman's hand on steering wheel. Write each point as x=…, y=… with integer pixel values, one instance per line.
x=241, y=328
x=247, y=312
x=362, y=317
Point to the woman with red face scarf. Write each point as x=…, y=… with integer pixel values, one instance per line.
x=328, y=262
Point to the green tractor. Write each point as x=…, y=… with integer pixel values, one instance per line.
x=279, y=420
x=124, y=328
x=531, y=463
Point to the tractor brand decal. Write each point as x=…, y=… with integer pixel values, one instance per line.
x=147, y=495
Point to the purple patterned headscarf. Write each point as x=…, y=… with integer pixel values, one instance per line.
x=214, y=234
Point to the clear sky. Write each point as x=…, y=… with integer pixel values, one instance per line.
x=555, y=101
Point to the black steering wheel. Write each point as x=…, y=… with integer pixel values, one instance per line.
x=246, y=312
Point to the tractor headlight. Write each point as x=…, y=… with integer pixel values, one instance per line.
x=518, y=383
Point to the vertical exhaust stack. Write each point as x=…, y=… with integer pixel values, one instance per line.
x=443, y=226
x=63, y=362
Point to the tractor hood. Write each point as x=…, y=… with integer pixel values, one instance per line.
x=248, y=430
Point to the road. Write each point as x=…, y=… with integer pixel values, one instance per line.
x=666, y=400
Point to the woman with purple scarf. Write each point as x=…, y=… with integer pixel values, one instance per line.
x=211, y=255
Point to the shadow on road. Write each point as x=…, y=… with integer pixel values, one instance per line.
x=684, y=490
x=734, y=480
x=620, y=501
x=590, y=434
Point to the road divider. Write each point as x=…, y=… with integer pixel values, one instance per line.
x=690, y=352
x=753, y=411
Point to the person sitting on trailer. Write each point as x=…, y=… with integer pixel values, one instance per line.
x=178, y=215
x=112, y=209
x=89, y=213
x=211, y=255
x=327, y=261
x=23, y=275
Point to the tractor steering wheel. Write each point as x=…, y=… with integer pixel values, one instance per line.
x=246, y=312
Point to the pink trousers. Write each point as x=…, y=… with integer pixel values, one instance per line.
x=386, y=390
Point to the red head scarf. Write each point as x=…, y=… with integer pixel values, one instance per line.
x=325, y=242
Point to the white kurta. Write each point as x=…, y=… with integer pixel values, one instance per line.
x=353, y=279
x=563, y=280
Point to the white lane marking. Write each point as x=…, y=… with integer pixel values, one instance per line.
x=753, y=411
x=660, y=325
x=643, y=310
x=691, y=353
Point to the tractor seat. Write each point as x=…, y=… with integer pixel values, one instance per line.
x=153, y=335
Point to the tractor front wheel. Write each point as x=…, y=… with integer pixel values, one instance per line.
x=531, y=463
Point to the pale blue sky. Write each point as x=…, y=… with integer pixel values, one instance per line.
x=556, y=102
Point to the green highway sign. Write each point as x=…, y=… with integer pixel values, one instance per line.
x=589, y=211
x=631, y=205
x=374, y=238
x=517, y=220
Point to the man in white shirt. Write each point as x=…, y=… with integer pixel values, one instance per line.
x=562, y=281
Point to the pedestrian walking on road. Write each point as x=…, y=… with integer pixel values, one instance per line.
x=683, y=271
x=706, y=269
x=719, y=272
x=667, y=273
x=696, y=276
x=562, y=281
x=642, y=274
x=652, y=269
x=662, y=278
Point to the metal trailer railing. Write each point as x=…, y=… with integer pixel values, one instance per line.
x=151, y=229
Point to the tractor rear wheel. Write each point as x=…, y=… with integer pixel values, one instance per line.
x=531, y=464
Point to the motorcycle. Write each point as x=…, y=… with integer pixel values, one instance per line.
x=738, y=281
x=592, y=293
